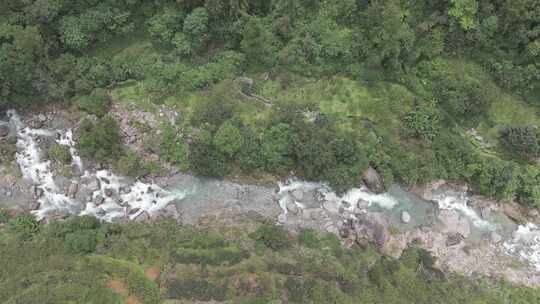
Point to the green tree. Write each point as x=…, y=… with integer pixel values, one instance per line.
x=276, y=147
x=259, y=43
x=423, y=121
x=464, y=13
x=196, y=28
x=229, y=139
x=522, y=140
x=98, y=102
x=24, y=226
x=100, y=140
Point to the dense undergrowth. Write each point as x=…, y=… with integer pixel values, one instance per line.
x=83, y=261
x=321, y=88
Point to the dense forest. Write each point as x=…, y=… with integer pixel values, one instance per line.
x=321, y=88
x=83, y=261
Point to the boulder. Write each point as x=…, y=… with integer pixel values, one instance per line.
x=331, y=206
x=109, y=192
x=368, y=230
x=134, y=210
x=4, y=130
x=453, y=239
x=93, y=184
x=293, y=208
x=73, y=189
x=485, y=212
x=99, y=200
x=495, y=237
x=142, y=217
x=37, y=192
x=34, y=206
x=362, y=204
x=451, y=222
x=298, y=194
x=373, y=180
x=405, y=217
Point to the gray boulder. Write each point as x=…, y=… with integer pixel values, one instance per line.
x=451, y=222
x=298, y=194
x=4, y=130
x=453, y=239
x=373, y=180
x=405, y=217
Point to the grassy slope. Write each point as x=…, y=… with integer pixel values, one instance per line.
x=164, y=263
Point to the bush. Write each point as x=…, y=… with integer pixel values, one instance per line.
x=423, y=121
x=60, y=154
x=229, y=139
x=130, y=164
x=100, y=140
x=273, y=237
x=4, y=216
x=521, y=140
x=82, y=241
x=97, y=103
x=24, y=226
x=173, y=149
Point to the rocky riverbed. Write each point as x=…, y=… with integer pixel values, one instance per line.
x=468, y=234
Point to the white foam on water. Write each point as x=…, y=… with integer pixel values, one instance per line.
x=458, y=202
x=66, y=139
x=352, y=196
x=525, y=244
x=139, y=196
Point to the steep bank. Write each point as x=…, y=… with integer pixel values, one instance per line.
x=464, y=239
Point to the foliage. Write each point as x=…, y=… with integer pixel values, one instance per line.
x=173, y=148
x=130, y=164
x=98, y=102
x=522, y=140
x=100, y=140
x=229, y=139
x=273, y=237
x=60, y=154
x=423, y=121
x=24, y=226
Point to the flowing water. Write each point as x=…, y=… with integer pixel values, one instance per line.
x=115, y=198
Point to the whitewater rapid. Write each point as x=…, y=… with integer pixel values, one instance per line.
x=115, y=197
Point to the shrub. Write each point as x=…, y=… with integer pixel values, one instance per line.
x=309, y=238
x=423, y=121
x=229, y=139
x=273, y=237
x=82, y=241
x=522, y=140
x=206, y=160
x=4, y=216
x=60, y=154
x=24, y=226
x=100, y=140
x=98, y=102
x=130, y=164
x=173, y=149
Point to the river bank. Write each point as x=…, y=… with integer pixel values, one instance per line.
x=468, y=234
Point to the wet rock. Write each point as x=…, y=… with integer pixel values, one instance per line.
x=99, y=200
x=298, y=194
x=133, y=211
x=34, y=206
x=282, y=218
x=93, y=184
x=495, y=237
x=42, y=118
x=362, y=204
x=293, y=208
x=105, y=180
x=142, y=217
x=405, y=217
x=100, y=212
x=109, y=192
x=344, y=232
x=485, y=212
x=37, y=192
x=332, y=207
x=73, y=189
x=533, y=213
x=451, y=222
x=453, y=239
x=4, y=130
x=381, y=235
x=373, y=180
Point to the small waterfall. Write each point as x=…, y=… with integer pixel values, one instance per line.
x=114, y=198
x=458, y=201
x=525, y=244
